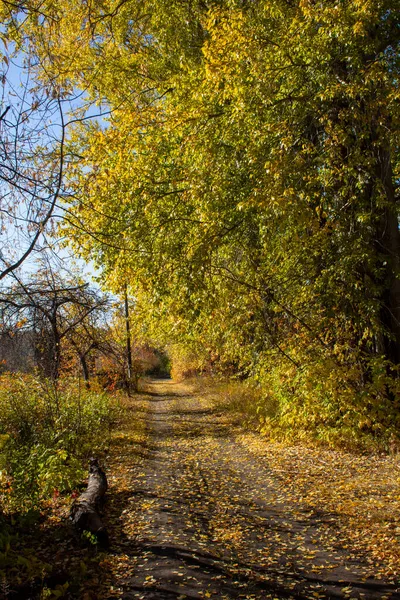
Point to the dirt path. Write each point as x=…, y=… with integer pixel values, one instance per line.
x=193, y=514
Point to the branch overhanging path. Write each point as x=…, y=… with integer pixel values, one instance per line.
x=193, y=513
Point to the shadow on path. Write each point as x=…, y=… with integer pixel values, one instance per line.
x=202, y=518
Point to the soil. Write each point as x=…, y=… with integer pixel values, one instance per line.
x=193, y=513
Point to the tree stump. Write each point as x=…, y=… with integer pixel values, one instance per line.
x=84, y=511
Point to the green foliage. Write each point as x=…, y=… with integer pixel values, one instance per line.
x=47, y=434
x=90, y=537
x=318, y=405
x=246, y=187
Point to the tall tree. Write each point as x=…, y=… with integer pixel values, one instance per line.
x=32, y=146
x=247, y=178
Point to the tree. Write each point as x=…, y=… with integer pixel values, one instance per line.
x=246, y=181
x=87, y=341
x=124, y=354
x=32, y=148
x=56, y=307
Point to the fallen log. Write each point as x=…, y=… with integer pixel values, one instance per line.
x=84, y=511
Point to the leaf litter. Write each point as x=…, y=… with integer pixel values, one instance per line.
x=202, y=509
x=199, y=508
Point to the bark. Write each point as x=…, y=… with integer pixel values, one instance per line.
x=84, y=512
x=389, y=248
x=57, y=354
x=85, y=370
x=128, y=342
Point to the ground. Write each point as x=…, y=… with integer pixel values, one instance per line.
x=200, y=508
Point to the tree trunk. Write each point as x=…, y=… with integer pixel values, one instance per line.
x=55, y=367
x=128, y=342
x=85, y=370
x=388, y=241
x=85, y=510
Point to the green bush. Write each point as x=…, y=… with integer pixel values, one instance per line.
x=325, y=403
x=46, y=435
x=333, y=404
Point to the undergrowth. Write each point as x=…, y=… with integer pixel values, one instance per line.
x=315, y=408
x=46, y=435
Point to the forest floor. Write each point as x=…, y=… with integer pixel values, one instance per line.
x=198, y=507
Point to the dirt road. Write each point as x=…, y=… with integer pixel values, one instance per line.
x=193, y=514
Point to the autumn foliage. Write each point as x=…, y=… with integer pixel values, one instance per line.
x=242, y=178
x=47, y=433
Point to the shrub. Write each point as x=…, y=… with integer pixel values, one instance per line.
x=326, y=402
x=46, y=435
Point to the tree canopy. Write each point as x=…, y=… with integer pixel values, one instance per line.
x=245, y=182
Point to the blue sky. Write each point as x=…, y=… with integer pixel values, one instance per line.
x=32, y=125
